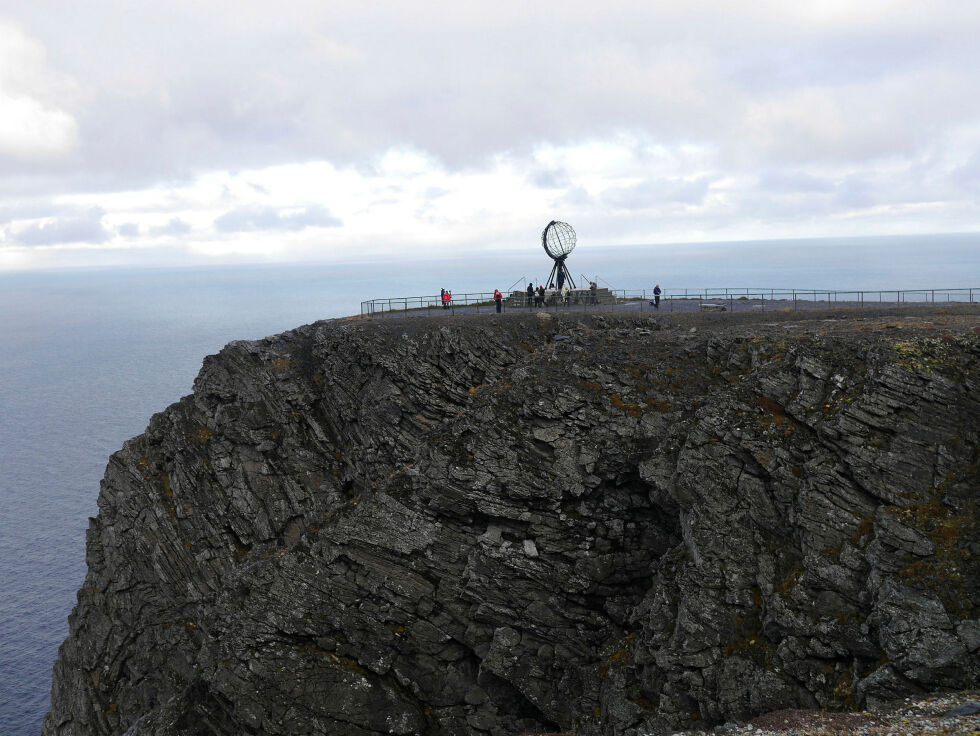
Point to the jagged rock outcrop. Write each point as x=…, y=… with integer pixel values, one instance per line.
x=599, y=524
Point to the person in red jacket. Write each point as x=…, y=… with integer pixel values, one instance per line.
x=498, y=298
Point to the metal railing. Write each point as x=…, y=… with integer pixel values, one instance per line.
x=732, y=299
x=427, y=303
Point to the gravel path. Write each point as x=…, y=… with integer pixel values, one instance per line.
x=952, y=713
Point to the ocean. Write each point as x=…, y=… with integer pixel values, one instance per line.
x=86, y=357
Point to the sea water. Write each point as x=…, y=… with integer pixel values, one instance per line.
x=87, y=357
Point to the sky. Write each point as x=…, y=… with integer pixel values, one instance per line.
x=212, y=131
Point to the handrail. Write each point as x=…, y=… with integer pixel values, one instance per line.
x=521, y=280
x=732, y=297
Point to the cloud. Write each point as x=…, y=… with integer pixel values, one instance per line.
x=968, y=174
x=792, y=180
x=29, y=130
x=575, y=200
x=655, y=192
x=175, y=226
x=717, y=117
x=250, y=218
x=857, y=193
x=464, y=83
x=86, y=228
x=549, y=178
x=33, y=125
x=33, y=210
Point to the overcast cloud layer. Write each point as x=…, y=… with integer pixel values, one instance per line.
x=243, y=130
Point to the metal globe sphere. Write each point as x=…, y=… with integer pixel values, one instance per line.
x=558, y=239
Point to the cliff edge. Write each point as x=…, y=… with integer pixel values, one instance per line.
x=600, y=524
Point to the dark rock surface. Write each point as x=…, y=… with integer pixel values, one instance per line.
x=600, y=524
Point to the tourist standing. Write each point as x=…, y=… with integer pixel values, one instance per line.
x=498, y=298
x=530, y=293
x=656, y=296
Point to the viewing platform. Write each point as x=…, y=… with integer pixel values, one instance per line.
x=724, y=299
x=553, y=297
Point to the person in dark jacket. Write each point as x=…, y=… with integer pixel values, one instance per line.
x=498, y=298
x=656, y=296
x=530, y=293
x=539, y=299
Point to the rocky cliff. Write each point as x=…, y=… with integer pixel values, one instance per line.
x=598, y=524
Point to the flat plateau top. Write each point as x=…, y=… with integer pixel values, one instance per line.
x=927, y=318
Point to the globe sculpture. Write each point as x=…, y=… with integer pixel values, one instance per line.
x=558, y=240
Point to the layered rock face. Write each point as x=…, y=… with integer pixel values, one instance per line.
x=598, y=524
